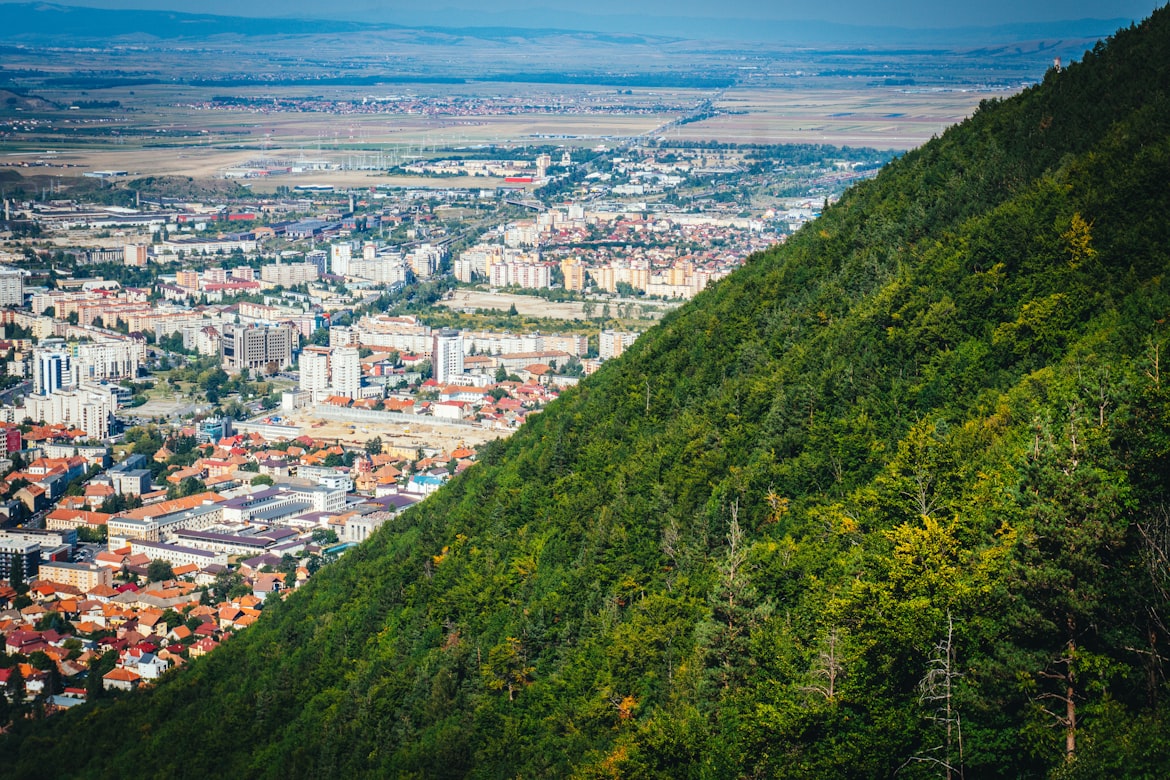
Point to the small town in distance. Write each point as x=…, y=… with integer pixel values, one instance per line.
x=205, y=401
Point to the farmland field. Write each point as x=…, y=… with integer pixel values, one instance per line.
x=363, y=104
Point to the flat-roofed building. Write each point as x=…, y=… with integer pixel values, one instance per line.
x=11, y=287
x=347, y=372
x=265, y=505
x=320, y=497
x=177, y=555
x=612, y=343
x=256, y=346
x=327, y=477
x=134, y=255
x=130, y=481
x=229, y=544
x=315, y=369
x=89, y=408
x=155, y=521
x=288, y=274
x=17, y=550
x=84, y=576
x=574, y=272
x=447, y=355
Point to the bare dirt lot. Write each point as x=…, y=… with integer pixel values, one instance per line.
x=527, y=305
x=407, y=437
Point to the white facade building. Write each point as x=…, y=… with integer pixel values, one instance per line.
x=177, y=555
x=288, y=274
x=447, y=355
x=89, y=408
x=388, y=270
x=50, y=371
x=11, y=287
x=105, y=360
x=529, y=275
x=347, y=372
x=340, y=256
x=612, y=343
x=314, y=369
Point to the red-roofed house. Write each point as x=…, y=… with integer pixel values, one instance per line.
x=203, y=647
x=121, y=680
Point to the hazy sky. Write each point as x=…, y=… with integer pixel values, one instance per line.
x=900, y=13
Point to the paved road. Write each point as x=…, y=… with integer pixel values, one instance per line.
x=24, y=388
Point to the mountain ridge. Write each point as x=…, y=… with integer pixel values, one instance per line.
x=31, y=21
x=901, y=476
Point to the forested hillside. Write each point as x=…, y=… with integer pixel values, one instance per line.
x=890, y=498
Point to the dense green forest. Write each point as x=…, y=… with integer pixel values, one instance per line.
x=889, y=500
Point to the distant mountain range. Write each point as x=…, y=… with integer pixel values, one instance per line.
x=34, y=21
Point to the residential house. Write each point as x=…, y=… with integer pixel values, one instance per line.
x=121, y=679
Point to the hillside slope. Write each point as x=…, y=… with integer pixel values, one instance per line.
x=890, y=497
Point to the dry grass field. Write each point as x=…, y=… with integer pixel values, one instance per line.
x=169, y=129
x=176, y=141
x=878, y=117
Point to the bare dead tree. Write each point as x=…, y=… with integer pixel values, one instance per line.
x=1153, y=371
x=1154, y=530
x=936, y=693
x=828, y=668
x=1064, y=714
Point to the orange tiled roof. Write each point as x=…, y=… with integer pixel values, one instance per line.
x=172, y=506
x=89, y=518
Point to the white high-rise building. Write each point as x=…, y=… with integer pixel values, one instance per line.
x=424, y=260
x=447, y=355
x=612, y=343
x=89, y=408
x=340, y=255
x=11, y=287
x=347, y=371
x=314, y=368
x=342, y=336
x=50, y=371
x=135, y=255
x=106, y=360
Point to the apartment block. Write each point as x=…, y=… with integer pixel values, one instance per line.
x=11, y=287
x=256, y=347
x=83, y=576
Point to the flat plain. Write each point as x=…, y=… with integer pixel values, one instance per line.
x=364, y=103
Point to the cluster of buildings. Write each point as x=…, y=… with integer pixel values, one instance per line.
x=177, y=576
x=395, y=347
x=112, y=306
x=513, y=170
x=663, y=255
x=75, y=380
x=445, y=106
